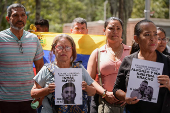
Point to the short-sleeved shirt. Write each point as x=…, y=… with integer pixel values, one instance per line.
x=16, y=71
x=44, y=77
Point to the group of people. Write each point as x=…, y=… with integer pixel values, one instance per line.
x=144, y=92
x=105, y=79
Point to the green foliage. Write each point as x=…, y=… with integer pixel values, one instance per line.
x=59, y=12
x=159, y=7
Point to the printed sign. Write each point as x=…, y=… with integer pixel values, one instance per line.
x=143, y=82
x=68, y=89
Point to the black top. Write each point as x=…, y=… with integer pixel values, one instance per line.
x=163, y=104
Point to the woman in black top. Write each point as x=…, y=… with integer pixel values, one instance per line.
x=145, y=34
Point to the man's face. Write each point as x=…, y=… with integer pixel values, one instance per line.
x=18, y=18
x=143, y=86
x=69, y=94
x=79, y=29
x=39, y=28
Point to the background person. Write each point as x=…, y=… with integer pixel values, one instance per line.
x=64, y=48
x=68, y=93
x=79, y=26
x=145, y=34
x=111, y=56
x=42, y=25
x=19, y=49
x=162, y=41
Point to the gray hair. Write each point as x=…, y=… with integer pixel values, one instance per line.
x=79, y=20
x=9, y=9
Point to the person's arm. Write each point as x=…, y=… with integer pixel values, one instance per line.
x=92, y=70
x=92, y=65
x=88, y=88
x=38, y=64
x=119, y=89
x=38, y=92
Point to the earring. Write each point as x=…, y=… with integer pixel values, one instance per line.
x=71, y=59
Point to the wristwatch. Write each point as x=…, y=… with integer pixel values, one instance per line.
x=104, y=93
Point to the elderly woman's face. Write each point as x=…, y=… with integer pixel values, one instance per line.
x=161, y=41
x=148, y=40
x=63, y=50
x=114, y=31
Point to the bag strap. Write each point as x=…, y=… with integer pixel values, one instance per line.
x=98, y=66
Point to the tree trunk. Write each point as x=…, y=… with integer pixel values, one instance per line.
x=3, y=10
x=125, y=10
x=38, y=9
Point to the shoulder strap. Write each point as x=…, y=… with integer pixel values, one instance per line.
x=98, y=66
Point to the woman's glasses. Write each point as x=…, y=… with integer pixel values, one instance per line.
x=20, y=46
x=60, y=48
x=163, y=39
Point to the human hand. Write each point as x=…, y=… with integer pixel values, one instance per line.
x=84, y=85
x=51, y=88
x=164, y=81
x=133, y=100
x=110, y=98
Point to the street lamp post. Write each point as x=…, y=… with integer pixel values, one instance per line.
x=147, y=9
x=105, y=3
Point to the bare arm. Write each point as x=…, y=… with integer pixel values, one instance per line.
x=38, y=64
x=92, y=70
x=38, y=92
x=88, y=88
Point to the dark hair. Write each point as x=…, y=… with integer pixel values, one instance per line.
x=112, y=18
x=69, y=84
x=161, y=29
x=9, y=9
x=59, y=37
x=79, y=20
x=134, y=48
x=150, y=94
x=145, y=81
x=138, y=29
x=43, y=23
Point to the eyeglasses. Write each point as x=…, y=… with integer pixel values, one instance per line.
x=163, y=39
x=60, y=48
x=20, y=46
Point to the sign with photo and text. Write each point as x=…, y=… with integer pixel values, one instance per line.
x=143, y=82
x=68, y=90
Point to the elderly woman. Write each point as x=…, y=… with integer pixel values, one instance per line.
x=111, y=56
x=63, y=47
x=145, y=34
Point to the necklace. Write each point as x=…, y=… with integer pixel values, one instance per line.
x=115, y=54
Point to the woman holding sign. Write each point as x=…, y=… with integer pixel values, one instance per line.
x=145, y=34
x=64, y=49
x=111, y=56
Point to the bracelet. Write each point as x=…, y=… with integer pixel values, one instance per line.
x=104, y=93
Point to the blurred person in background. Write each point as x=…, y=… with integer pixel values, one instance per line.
x=79, y=26
x=42, y=25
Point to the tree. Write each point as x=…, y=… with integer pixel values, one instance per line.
x=160, y=9
x=124, y=10
x=3, y=6
x=38, y=9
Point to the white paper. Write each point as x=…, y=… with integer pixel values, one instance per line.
x=143, y=70
x=66, y=75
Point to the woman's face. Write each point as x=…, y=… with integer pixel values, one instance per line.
x=113, y=31
x=161, y=41
x=147, y=39
x=63, y=50
x=147, y=91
